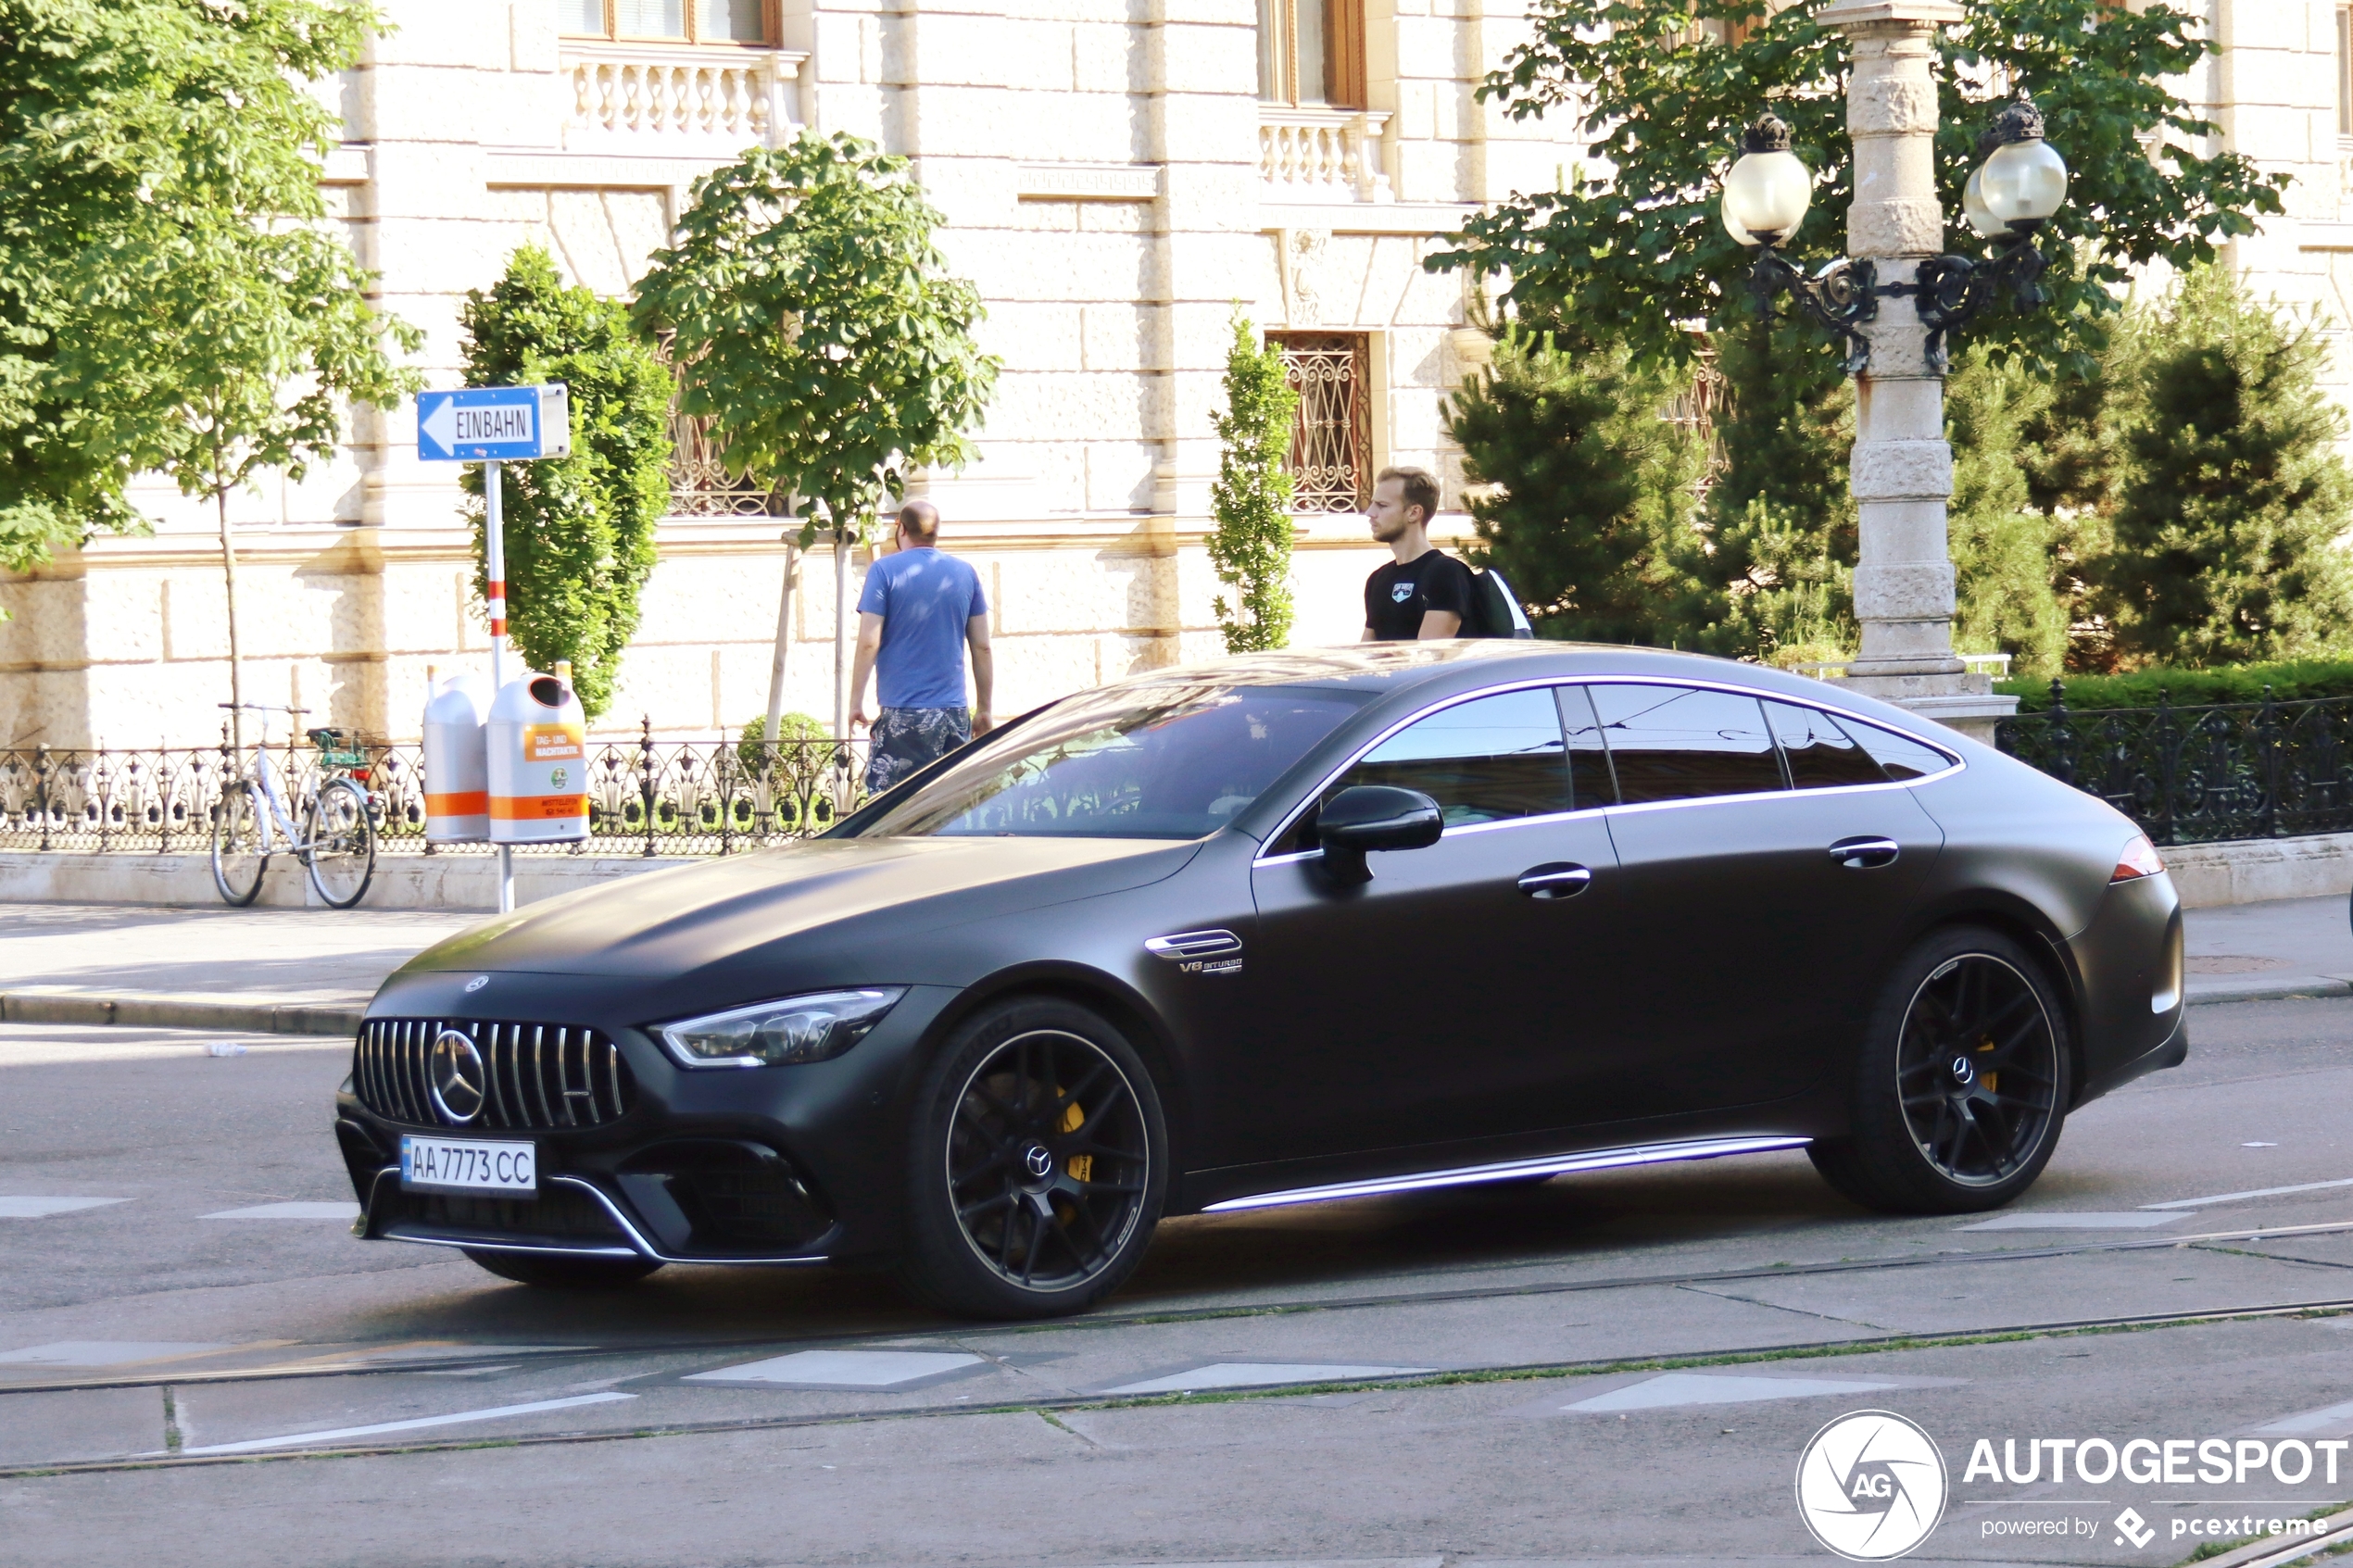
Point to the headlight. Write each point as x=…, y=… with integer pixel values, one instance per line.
x=2139, y=860
x=796, y=1029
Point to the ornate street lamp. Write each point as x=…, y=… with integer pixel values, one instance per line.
x=2009, y=197
x=1766, y=196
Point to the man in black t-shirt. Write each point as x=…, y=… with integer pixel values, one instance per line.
x=1424, y=592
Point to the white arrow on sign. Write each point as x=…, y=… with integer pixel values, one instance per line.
x=442, y=423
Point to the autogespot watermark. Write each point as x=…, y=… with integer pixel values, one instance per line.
x=1871, y=1486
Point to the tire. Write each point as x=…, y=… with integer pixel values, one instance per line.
x=1024, y=1084
x=1962, y=1085
x=555, y=1271
x=238, y=855
x=342, y=857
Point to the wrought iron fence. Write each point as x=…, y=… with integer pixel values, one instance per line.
x=646, y=796
x=2196, y=775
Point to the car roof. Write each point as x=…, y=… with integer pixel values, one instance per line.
x=1439, y=668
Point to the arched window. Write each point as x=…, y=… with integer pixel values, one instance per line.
x=1312, y=51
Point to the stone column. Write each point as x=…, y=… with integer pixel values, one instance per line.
x=1902, y=471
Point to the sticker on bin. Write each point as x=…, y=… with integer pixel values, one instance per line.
x=553, y=743
x=468, y=1165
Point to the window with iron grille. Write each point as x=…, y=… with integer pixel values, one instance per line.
x=1331, y=436
x=699, y=481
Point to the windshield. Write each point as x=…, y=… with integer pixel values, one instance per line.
x=1168, y=759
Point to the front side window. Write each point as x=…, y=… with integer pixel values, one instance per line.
x=693, y=21
x=1487, y=760
x=1168, y=760
x=1682, y=743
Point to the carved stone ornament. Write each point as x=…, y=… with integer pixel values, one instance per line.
x=1303, y=258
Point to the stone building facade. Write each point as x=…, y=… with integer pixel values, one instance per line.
x=1118, y=177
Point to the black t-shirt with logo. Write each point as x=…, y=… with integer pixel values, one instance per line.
x=1397, y=596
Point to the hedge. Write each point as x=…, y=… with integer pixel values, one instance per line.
x=2288, y=681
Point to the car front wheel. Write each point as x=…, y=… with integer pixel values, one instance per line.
x=1962, y=1083
x=1038, y=1164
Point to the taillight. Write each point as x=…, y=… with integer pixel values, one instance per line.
x=2139, y=860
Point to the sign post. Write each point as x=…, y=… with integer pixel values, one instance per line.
x=491, y=425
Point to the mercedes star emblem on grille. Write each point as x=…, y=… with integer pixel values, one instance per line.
x=459, y=1081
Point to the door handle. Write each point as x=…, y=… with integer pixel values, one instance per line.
x=1557, y=880
x=1864, y=854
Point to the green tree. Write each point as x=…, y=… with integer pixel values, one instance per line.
x=1632, y=246
x=1251, y=545
x=816, y=327
x=158, y=165
x=2235, y=500
x=1590, y=494
x=2007, y=558
x=579, y=531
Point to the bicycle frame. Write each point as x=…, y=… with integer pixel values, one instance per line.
x=279, y=817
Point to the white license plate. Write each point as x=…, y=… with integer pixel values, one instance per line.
x=468, y=1165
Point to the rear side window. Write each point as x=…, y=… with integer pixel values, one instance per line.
x=1483, y=761
x=1820, y=754
x=1903, y=756
x=1679, y=743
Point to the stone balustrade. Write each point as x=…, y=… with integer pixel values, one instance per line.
x=1322, y=155
x=652, y=96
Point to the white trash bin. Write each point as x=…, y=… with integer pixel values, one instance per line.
x=457, y=758
x=538, y=761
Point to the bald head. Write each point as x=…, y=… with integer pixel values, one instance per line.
x=919, y=520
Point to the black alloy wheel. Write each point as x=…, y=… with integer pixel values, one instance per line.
x=558, y=1270
x=1038, y=1164
x=1963, y=1081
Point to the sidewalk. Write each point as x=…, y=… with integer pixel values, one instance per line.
x=312, y=972
x=296, y=971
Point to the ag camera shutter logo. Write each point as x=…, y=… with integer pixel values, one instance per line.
x=1871, y=1486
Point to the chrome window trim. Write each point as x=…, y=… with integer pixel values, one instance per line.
x=1460, y=830
x=1550, y=683
x=1514, y=1169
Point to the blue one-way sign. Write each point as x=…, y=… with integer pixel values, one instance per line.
x=499, y=424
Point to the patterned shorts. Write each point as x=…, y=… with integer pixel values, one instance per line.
x=910, y=738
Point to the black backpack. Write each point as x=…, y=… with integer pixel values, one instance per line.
x=1495, y=610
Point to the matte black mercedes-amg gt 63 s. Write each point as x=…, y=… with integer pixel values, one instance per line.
x=1284, y=929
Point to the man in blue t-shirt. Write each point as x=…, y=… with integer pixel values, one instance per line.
x=919, y=611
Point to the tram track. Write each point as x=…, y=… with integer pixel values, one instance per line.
x=368, y=1366
x=1068, y=1403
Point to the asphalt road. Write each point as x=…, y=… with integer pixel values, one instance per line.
x=1621, y=1368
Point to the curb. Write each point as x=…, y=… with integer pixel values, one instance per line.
x=183, y=1012
x=2281, y=992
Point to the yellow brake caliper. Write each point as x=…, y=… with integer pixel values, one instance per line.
x=1993, y=1081
x=1080, y=1166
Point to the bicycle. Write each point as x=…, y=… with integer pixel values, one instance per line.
x=336, y=841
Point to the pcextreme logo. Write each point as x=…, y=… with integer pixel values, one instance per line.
x=1870, y=1485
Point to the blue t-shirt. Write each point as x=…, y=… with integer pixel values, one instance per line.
x=925, y=598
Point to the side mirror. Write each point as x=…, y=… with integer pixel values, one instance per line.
x=1369, y=816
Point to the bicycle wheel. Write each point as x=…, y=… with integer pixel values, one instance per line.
x=342, y=843
x=239, y=853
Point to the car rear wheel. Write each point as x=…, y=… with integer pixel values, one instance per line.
x=1962, y=1085
x=1038, y=1164
x=555, y=1271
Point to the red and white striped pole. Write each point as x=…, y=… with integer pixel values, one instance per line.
x=495, y=563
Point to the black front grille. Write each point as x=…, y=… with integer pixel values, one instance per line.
x=557, y=1214
x=543, y=1076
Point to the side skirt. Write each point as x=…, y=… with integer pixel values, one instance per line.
x=1516, y=1170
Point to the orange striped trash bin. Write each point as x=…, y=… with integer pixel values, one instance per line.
x=457, y=758
x=538, y=762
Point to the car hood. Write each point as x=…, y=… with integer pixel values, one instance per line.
x=800, y=902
